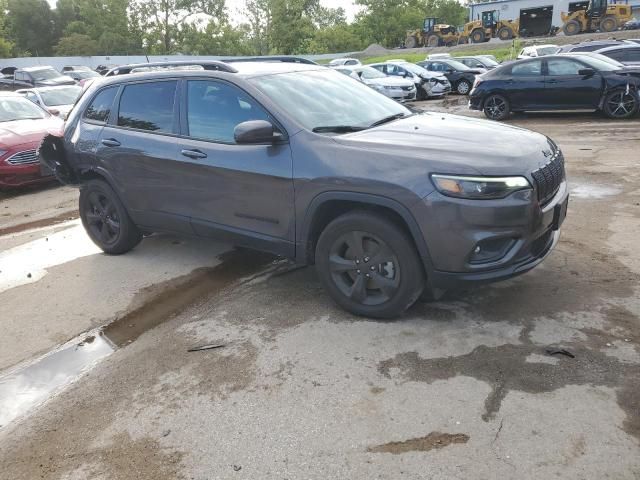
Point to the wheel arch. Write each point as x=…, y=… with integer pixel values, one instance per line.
x=329, y=205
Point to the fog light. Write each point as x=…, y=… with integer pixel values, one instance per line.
x=491, y=250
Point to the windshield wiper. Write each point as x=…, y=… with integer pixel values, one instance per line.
x=337, y=129
x=390, y=118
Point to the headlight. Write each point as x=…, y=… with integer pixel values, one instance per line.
x=380, y=88
x=433, y=80
x=478, y=187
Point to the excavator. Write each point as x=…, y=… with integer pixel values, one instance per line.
x=599, y=15
x=432, y=34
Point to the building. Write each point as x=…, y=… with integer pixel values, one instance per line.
x=537, y=17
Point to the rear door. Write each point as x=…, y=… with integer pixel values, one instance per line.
x=565, y=88
x=241, y=193
x=525, y=86
x=138, y=148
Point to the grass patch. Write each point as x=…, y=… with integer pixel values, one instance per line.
x=501, y=53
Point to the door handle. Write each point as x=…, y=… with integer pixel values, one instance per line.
x=110, y=142
x=194, y=154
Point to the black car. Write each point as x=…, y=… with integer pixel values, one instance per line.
x=557, y=82
x=589, y=46
x=633, y=24
x=478, y=61
x=384, y=201
x=459, y=75
x=627, y=53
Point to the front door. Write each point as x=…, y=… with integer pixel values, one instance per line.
x=525, y=86
x=243, y=193
x=566, y=88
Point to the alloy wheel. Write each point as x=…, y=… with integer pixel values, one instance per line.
x=463, y=88
x=102, y=218
x=496, y=107
x=621, y=104
x=364, y=268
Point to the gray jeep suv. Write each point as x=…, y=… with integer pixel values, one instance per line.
x=307, y=163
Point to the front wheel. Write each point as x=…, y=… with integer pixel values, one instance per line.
x=477, y=36
x=369, y=265
x=572, y=27
x=463, y=87
x=106, y=220
x=621, y=104
x=505, y=33
x=608, y=24
x=496, y=107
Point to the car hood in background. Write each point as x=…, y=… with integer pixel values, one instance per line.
x=390, y=82
x=20, y=132
x=63, y=80
x=455, y=144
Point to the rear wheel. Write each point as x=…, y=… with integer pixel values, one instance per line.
x=505, y=33
x=368, y=265
x=621, y=104
x=496, y=107
x=608, y=24
x=572, y=27
x=411, y=41
x=106, y=220
x=477, y=36
x=433, y=41
x=463, y=87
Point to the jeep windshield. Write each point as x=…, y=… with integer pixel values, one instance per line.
x=326, y=101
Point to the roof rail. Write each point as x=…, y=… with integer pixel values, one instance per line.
x=205, y=64
x=275, y=58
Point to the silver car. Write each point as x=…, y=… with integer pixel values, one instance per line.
x=57, y=101
x=400, y=89
x=428, y=84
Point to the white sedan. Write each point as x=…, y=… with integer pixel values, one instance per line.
x=57, y=101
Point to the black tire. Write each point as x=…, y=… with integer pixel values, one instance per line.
x=433, y=41
x=411, y=41
x=477, y=36
x=349, y=260
x=463, y=87
x=620, y=105
x=496, y=107
x=106, y=220
x=572, y=27
x=608, y=24
x=505, y=33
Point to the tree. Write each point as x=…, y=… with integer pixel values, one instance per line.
x=386, y=21
x=292, y=28
x=6, y=48
x=258, y=28
x=76, y=44
x=31, y=25
x=162, y=20
x=336, y=39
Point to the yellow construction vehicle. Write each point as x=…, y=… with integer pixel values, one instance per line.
x=599, y=15
x=490, y=26
x=433, y=34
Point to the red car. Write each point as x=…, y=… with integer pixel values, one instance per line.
x=22, y=127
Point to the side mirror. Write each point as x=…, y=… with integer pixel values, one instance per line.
x=586, y=72
x=255, y=132
x=405, y=74
x=360, y=74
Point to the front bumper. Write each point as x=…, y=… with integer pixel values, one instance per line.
x=439, y=89
x=20, y=175
x=475, y=101
x=401, y=95
x=453, y=228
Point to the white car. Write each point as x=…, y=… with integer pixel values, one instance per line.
x=428, y=84
x=57, y=101
x=351, y=62
x=538, y=51
x=400, y=89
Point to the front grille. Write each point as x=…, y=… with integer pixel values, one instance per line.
x=23, y=158
x=549, y=177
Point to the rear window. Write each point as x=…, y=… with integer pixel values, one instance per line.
x=100, y=107
x=148, y=106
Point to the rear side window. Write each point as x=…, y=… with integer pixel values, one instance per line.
x=148, y=106
x=100, y=107
x=633, y=55
x=528, y=68
x=563, y=67
x=616, y=54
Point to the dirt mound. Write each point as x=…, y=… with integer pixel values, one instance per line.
x=374, y=49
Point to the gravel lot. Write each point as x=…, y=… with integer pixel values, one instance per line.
x=460, y=388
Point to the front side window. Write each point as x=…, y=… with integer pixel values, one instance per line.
x=527, y=69
x=214, y=109
x=633, y=55
x=563, y=67
x=148, y=106
x=99, y=109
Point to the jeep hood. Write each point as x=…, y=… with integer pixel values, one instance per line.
x=453, y=144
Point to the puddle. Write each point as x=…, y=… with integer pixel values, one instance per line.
x=586, y=190
x=28, y=263
x=25, y=388
x=422, y=444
